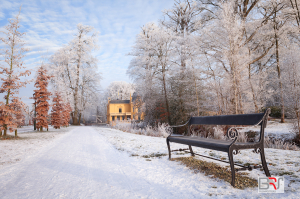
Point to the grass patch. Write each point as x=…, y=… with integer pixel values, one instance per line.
x=247, y=164
x=273, y=164
x=215, y=171
x=289, y=163
x=179, y=153
x=9, y=137
x=155, y=155
x=212, y=154
x=286, y=173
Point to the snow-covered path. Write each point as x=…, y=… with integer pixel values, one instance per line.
x=85, y=163
x=82, y=164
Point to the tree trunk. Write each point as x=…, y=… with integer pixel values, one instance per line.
x=16, y=133
x=196, y=92
x=76, y=111
x=279, y=75
x=235, y=93
x=252, y=90
x=166, y=98
x=5, y=129
x=79, y=118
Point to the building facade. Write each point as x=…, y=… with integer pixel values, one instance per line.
x=122, y=110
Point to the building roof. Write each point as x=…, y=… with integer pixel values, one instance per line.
x=120, y=101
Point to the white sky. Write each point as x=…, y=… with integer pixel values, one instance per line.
x=51, y=24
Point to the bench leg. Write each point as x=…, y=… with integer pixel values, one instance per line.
x=168, y=143
x=191, y=150
x=264, y=163
x=230, y=156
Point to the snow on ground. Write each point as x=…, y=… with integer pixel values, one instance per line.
x=281, y=162
x=97, y=162
x=26, y=129
x=29, y=142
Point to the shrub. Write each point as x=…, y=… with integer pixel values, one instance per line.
x=279, y=144
x=162, y=130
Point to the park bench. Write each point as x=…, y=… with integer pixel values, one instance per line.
x=231, y=146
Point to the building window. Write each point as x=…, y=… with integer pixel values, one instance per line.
x=113, y=118
x=118, y=117
x=120, y=110
x=123, y=117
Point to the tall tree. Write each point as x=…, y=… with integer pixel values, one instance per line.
x=12, y=71
x=183, y=21
x=41, y=97
x=75, y=70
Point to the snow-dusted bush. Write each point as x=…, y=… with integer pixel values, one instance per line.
x=280, y=144
x=218, y=133
x=242, y=137
x=162, y=130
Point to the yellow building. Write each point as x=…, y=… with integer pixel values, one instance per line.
x=122, y=110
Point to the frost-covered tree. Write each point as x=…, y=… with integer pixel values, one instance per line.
x=156, y=44
x=226, y=57
x=183, y=20
x=12, y=69
x=75, y=71
x=120, y=90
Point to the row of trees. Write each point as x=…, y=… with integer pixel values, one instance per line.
x=224, y=57
x=71, y=72
x=60, y=113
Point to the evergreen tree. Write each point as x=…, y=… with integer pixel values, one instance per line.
x=41, y=97
x=57, y=112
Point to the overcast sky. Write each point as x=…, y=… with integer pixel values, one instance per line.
x=50, y=24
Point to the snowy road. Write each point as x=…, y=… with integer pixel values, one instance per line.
x=82, y=164
x=85, y=163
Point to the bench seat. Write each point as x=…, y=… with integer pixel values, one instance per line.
x=220, y=145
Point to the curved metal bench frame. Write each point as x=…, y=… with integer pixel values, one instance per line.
x=233, y=147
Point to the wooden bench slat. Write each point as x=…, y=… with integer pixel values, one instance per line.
x=245, y=119
x=220, y=145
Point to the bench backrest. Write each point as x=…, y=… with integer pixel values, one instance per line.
x=243, y=119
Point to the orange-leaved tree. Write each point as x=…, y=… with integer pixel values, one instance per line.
x=19, y=108
x=67, y=110
x=41, y=97
x=57, y=112
x=12, y=70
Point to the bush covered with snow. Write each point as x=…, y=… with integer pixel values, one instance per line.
x=162, y=130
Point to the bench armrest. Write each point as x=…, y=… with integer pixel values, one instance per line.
x=182, y=125
x=178, y=126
